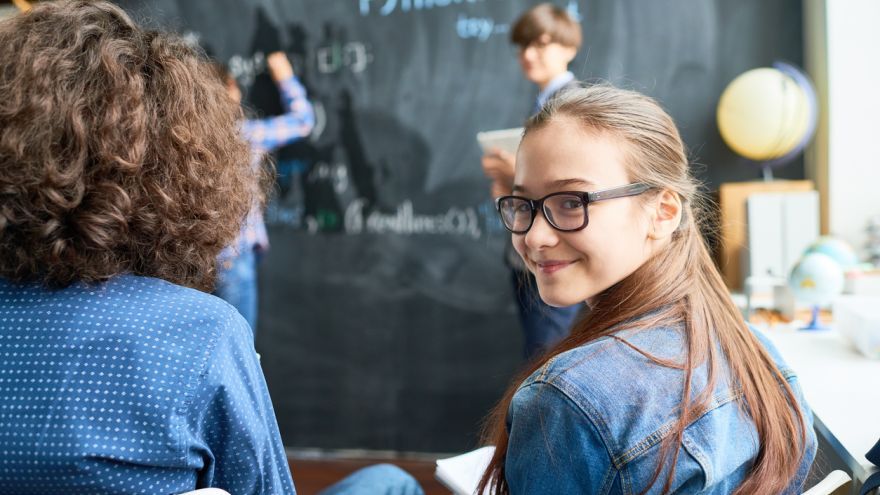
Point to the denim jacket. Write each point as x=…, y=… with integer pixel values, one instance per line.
x=591, y=421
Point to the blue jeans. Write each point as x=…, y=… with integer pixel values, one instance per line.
x=544, y=326
x=381, y=479
x=237, y=285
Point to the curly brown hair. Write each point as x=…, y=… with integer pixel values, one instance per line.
x=120, y=151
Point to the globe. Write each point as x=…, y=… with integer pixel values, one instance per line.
x=816, y=279
x=836, y=249
x=768, y=114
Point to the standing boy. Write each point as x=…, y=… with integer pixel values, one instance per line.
x=547, y=39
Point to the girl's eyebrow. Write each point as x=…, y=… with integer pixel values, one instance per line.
x=559, y=184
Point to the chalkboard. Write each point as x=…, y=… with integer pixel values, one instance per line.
x=386, y=314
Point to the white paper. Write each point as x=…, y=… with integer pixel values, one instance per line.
x=503, y=139
x=834, y=480
x=462, y=473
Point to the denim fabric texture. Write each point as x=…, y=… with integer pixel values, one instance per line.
x=237, y=285
x=237, y=262
x=591, y=421
x=381, y=479
x=267, y=135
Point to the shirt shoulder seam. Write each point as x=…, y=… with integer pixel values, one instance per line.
x=190, y=392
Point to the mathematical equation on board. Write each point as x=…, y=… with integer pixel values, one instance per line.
x=329, y=58
x=354, y=56
x=388, y=7
x=356, y=217
x=334, y=56
x=466, y=27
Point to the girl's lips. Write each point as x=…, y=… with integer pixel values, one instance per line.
x=552, y=266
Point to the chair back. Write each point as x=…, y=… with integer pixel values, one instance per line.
x=836, y=483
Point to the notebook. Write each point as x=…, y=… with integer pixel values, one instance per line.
x=503, y=139
x=462, y=473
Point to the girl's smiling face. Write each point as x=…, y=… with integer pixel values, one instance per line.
x=571, y=267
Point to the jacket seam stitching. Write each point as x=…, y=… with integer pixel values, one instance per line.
x=660, y=433
x=580, y=407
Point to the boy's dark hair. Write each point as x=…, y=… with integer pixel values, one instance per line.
x=119, y=152
x=549, y=19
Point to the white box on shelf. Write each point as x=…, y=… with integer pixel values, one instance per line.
x=865, y=283
x=780, y=226
x=858, y=319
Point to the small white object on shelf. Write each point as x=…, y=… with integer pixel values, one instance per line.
x=857, y=318
x=862, y=282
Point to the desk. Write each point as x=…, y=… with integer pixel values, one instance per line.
x=843, y=389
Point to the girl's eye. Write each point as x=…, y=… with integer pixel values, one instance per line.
x=571, y=204
x=523, y=208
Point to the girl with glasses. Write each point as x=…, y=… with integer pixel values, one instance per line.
x=663, y=388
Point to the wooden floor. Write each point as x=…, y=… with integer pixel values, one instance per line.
x=312, y=475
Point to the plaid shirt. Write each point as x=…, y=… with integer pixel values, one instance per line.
x=265, y=136
x=271, y=133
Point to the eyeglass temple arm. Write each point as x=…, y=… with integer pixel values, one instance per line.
x=618, y=192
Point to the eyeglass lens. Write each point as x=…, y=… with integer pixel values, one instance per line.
x=562, y=211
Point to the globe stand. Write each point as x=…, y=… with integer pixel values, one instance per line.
x=767, y=172
x=814, y=323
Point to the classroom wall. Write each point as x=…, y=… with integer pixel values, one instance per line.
x=853, y=106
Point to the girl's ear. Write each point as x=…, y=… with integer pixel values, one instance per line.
x=666, y=215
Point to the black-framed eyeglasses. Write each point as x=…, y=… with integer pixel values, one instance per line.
x=565, y=211
x=537, y=44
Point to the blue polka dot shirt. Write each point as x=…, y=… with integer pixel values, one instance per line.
x=132, y=386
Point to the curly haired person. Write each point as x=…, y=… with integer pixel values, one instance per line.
x=123, y=174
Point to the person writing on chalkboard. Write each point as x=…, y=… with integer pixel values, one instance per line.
x=122, y=175
x=237, y=281
x=663, y=387
x=547, y=39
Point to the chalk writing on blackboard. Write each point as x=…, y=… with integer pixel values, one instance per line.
x=353, y=55
x=387, y=7
x=336, y=174
x=480, y=28
x=245, y=69
x=404, y=220
x=466, y=27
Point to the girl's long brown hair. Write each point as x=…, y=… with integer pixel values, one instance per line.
x=679, y=285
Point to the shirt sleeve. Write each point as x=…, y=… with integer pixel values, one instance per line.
x=554, y=447
x=297, y=121
x=232, y=437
